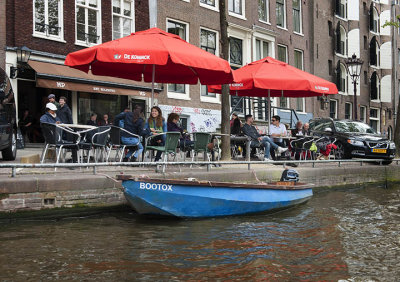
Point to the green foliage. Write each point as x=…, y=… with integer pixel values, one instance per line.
x=395, y=24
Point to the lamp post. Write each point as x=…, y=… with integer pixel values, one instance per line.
x=353, y=66
x=23, y=55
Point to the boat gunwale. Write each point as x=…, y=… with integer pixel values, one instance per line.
x=273, y=185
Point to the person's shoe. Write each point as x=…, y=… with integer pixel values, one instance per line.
x=133, y=159
x=281, y=150
x=268, y=160
x=125, y=160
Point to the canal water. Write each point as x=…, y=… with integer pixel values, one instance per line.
x=351, y=234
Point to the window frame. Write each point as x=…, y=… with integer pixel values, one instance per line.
x=335, y=102
x=300, y=18
x=98, y=24
x=242, y=15
x=363, y=115
x=283, y=100
x=266, y=10
x=122, y=17
x=300, y=101
x=377, y=119
x=211, y=7
x=46, y=34
x=207, y=98
x=348, y=106
x=173, y=94
x=284, y=15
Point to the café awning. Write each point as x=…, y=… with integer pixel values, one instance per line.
x=55, y=76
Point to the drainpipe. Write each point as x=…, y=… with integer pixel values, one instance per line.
x=394, y=61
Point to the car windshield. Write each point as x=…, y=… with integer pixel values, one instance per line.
x=354, y=127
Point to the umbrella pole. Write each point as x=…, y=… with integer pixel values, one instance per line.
x=269, y=110
x=153, y=73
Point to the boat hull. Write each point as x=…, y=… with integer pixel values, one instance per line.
x=189, y=200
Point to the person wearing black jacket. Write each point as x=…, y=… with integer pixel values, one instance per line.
x=64, y=112
x=133, y=122
x=256, y=138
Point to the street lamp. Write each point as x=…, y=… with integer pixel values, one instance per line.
x=353, y=66
x=23, y=55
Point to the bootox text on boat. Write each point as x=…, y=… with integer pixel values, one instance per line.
x=155, y=186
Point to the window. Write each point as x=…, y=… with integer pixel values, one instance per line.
x=374, y=52
x=330, y=28
x=347, y=110
x=48, y=18
x=330, y=65
x=365, y=43
x=179, y=29
x=365, y=77
x=341, y=38
x=235, y=6
x=333, y=108
x=208, y=42
x=298, y=63
x=297, y=26
x=208, y=2
x=363, y=114
x=123, y=18
x=280, y=13
x=261, y=106
x=374, y=118
x=88, y=22
x=263, y=10
x=282, y=53
x=373, y=20
x=398, y=55
x=262, y=49
x=375, y=93
x=236, y=51
x=341, y=78
x=341, y=8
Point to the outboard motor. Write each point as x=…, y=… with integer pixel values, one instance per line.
x=290, y=175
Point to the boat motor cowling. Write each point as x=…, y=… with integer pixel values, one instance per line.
x=290, y=175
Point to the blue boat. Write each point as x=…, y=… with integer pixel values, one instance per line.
x=190, y=198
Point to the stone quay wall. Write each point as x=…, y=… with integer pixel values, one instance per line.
x=51, y=192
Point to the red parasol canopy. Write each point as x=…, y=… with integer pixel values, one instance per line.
x=155, y=56
x=279, y=78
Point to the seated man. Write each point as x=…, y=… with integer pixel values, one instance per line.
x=277, y=130
x=256, y=138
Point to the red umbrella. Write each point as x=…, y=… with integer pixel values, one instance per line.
x=269, y=77
x=281, y=79
x=155, y=56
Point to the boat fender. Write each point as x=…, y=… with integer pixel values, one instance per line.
x=290, y=175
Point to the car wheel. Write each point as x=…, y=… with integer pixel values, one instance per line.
x=340, y=152
x=387, y=162
x=10, y=153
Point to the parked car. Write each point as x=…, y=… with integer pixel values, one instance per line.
x=8, y=126
x=354, y=139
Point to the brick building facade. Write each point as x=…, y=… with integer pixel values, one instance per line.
x=316, y=36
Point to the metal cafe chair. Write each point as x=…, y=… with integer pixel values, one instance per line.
x=116, y=143
x=96, y=140
x=59, y=138
x=170, y=146
x=201, y=141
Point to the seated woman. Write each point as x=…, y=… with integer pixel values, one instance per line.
x=154, y=126
x=172, y=125
x=236, y=127
x=133, y=123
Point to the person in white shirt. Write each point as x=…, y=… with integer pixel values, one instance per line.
x=276, y=130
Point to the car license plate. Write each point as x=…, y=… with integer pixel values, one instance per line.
x=382, y=151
